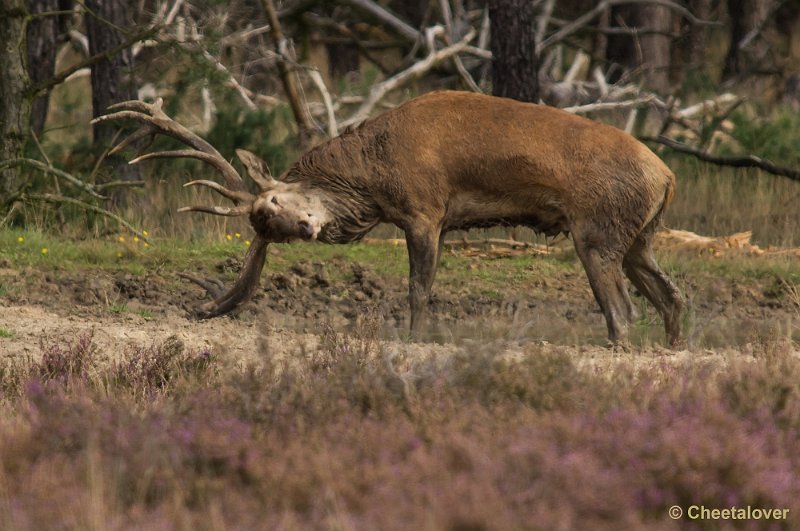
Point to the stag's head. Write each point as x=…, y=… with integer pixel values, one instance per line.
x=280, y=212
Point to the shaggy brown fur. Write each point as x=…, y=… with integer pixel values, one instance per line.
x=455, y=160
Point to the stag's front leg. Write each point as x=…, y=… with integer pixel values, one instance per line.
x=423, y=257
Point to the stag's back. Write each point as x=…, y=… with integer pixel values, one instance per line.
x=479, y=157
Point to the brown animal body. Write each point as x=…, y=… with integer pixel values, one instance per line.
x=455, y=160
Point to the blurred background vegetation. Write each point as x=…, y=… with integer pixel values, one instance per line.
x=225, y=73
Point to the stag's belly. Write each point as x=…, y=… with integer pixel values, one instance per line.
x=542, y=214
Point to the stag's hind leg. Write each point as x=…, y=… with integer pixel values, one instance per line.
x=642, y=269
x=603, y=264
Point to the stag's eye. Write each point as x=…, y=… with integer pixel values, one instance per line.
x=274, y=200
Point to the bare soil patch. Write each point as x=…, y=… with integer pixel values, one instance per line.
x=126, y=311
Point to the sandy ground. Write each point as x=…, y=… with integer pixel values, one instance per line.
x=240, y=342
x=727, y=316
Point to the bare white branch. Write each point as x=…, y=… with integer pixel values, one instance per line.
x=414, y=71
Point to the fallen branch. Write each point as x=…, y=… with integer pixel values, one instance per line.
x=465, y=243
x=614, y=105
x=513, y=244
x=86, y=187
x=118, y=184
x=750, y=161
x=51, y=198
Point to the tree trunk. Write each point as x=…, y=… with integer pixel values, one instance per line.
x=112, y=78
x=515, y=65
x=697, y=47
x=745, y=16
x=42, y=40
x=650, y=49
x=304, y=124
x=14, y=97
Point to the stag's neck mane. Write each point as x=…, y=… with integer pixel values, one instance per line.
x=339, y=174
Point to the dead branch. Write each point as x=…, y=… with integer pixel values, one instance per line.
x=316, y=77
x=467, y=243
x=584, y=20
x=118, y=184
x=513, y=244
x=414, y=71
x=704, y=106
x=59, y=78
x=52, y=198
x=458, y=64
x=349, y=37
x=650, y=99
x=84, y=186
x=749, y=161
x=287, y=77
x=230, y=80
x=386, y=17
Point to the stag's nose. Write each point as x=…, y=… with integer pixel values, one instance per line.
x=306, y=229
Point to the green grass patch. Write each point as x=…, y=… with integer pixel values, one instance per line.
x=6, y=333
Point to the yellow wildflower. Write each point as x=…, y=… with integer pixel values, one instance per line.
x=247, y=243
x=228, y=237
x=21, y=239
x=44, y=250
x=122, y=238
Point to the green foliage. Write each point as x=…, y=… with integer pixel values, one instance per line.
x=774, y=137
x=698, y=84
x=236, y=127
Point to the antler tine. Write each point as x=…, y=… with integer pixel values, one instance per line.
x=238, y=197
x=245, y=286
x=219, y=210
x=140, y=106
x=156, y=121
x=142, y=132
x=257, y=169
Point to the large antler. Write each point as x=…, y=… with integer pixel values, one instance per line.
x=154, y=122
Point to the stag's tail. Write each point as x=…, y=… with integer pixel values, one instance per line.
x=657, y=213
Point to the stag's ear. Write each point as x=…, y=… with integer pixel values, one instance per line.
x=257, y=169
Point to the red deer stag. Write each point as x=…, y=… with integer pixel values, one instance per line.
x=447, y=161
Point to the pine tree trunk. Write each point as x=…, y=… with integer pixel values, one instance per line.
x=745, y=16
x=112, y=78
x=515, y=64
x=697, y=48
x=42, y=40
x=651, y=49
x=15, y=101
